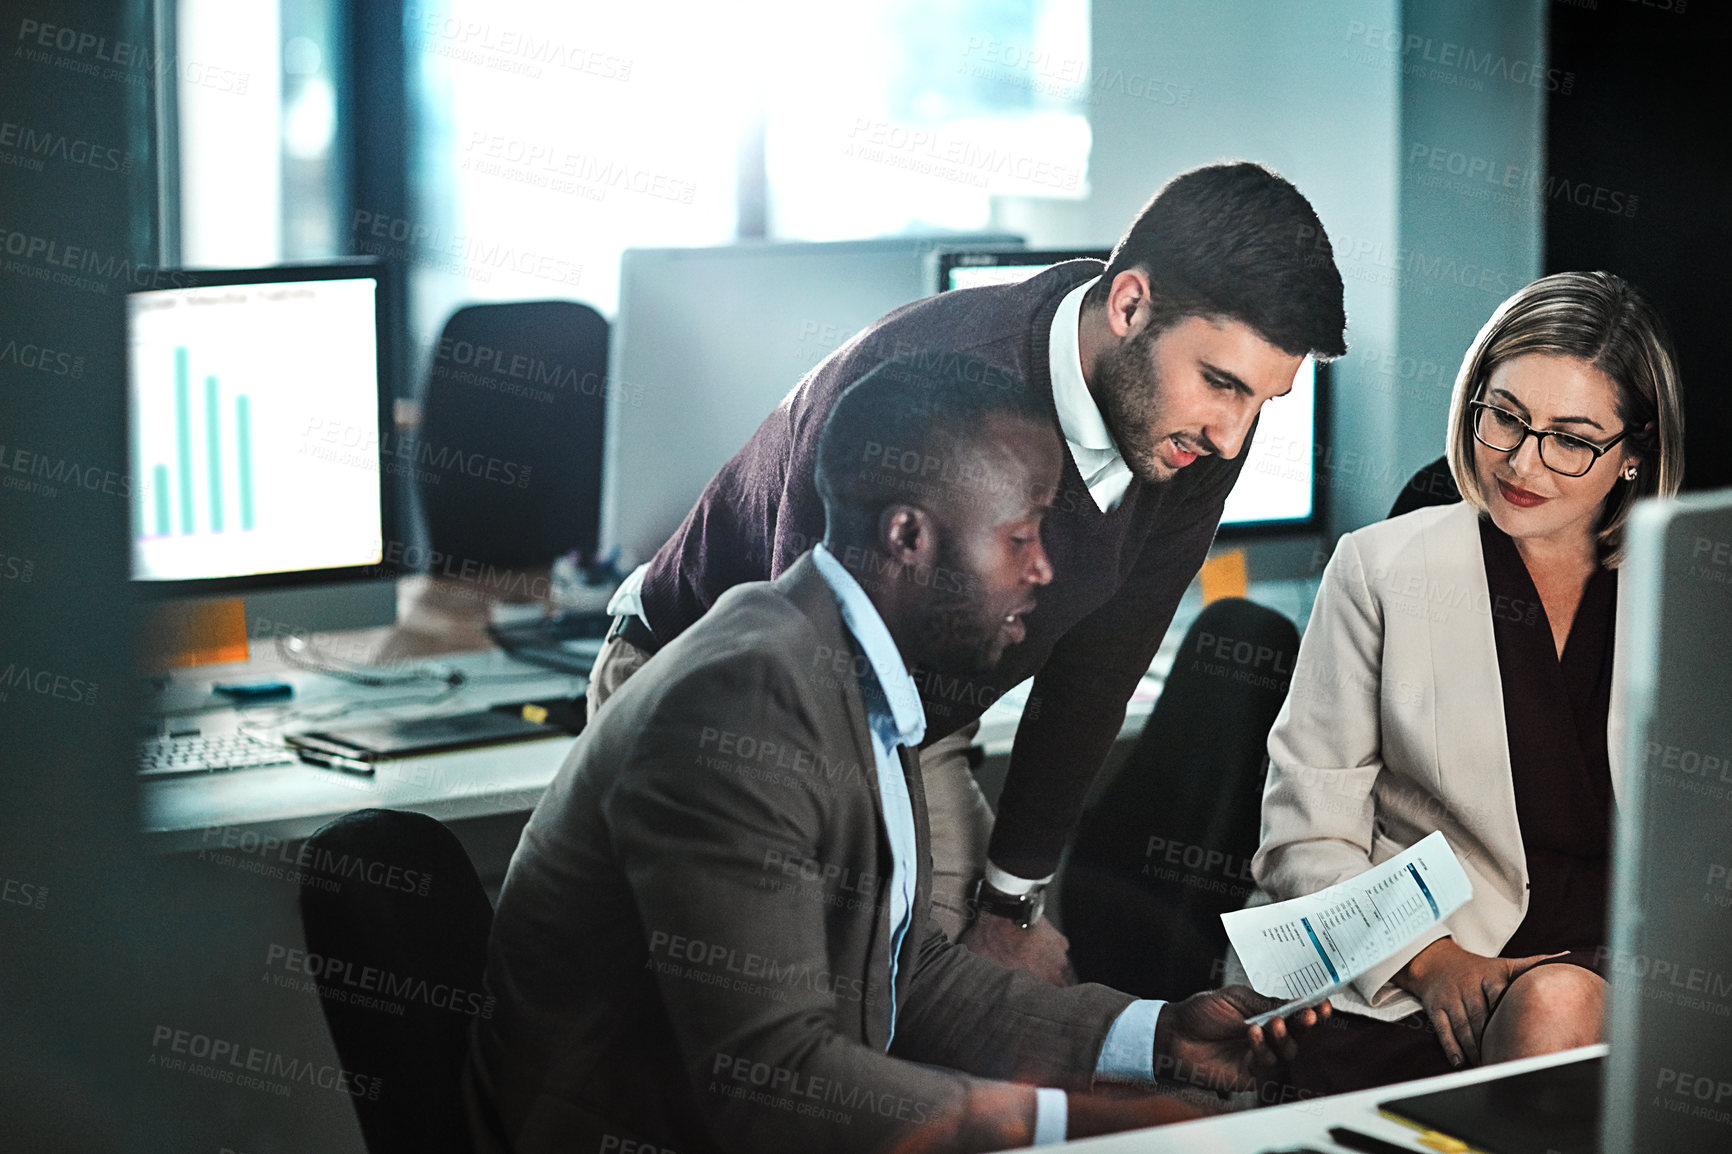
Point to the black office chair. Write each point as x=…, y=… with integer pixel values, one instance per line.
x=1167, y=847
x=1432, y=485
x=507, y=462
x=396, y=891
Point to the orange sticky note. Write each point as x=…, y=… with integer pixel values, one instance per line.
x=1224, y=575
x=185, y=633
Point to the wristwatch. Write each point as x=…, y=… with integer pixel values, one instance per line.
x=1024, y=910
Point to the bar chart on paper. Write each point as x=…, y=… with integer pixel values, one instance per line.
x=1303, y=947
x=254, y=448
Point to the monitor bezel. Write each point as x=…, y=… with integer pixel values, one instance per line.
x=345, y=268
x=1291, y=526
x=1239, y=530
x=994, y=258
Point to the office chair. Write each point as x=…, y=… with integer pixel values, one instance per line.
x=507, y=460
x=1432, y=485
x=1167, y=847
x=395, y=891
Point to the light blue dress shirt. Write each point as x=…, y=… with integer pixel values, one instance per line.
x=896, y=717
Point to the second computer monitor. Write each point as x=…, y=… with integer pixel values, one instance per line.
x=257, y=402
x=1277, y=489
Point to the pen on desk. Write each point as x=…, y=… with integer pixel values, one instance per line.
x=1354, y=1140
x=333, y=761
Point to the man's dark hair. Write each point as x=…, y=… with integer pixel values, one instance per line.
x=903, y=434
x=1237, y=241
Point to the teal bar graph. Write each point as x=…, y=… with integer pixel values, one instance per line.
x=161, y=484
x=244, y=458
x=173, y=486
x=214, y=441
x=183, y=435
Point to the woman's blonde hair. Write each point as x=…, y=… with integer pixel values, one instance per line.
x=1601, y=319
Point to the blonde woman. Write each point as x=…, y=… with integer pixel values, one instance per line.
x=1457, y=675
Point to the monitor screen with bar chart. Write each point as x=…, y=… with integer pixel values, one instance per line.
x=255, y=425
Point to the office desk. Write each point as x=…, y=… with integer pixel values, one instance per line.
x=288, y=803
x=1307, y=1123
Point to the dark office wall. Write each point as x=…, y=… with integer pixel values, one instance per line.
x=121, y=973
x=1639, y=182
x=75, y=194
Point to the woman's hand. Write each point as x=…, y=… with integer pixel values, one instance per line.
x=1460, y=989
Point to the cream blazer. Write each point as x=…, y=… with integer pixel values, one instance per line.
x=1394, y=727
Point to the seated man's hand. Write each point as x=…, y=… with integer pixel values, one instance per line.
x=1204, y=1040
x=1460, y=989
x=1040, y=949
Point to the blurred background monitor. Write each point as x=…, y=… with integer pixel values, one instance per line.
x=1277, y=490
x=1669, y=1071
x=256, y=403
x=958, y=270
x=709, y=340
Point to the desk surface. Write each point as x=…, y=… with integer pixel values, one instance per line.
x=1307, y=1123
x=291, y=802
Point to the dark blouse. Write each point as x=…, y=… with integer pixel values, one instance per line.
x=1555, y=713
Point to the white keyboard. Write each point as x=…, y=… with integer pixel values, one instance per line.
x=207, y=753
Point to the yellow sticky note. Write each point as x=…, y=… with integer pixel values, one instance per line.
x=1224, y=575
x=534, y=712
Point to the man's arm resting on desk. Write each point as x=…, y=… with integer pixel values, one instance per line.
x=997, y=1021
x=970, y=1013
x=1202, y=1041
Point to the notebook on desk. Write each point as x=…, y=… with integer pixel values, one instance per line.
x=1555, y=1110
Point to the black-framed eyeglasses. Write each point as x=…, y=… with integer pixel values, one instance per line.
x=1503, y=431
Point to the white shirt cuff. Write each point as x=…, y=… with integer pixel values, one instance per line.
x=627, y=600
x=1128, y=1054
x=1051, y=1116
x=1009, y=883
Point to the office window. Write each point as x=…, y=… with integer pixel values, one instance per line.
x=552, y=137
x=906, y=116
x=261, y=172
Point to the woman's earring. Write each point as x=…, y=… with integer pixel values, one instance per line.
x=1630, y=472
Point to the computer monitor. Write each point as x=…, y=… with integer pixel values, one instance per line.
x=1669, y=1072
x=257, y=402
x=1277, y=489
x=958, y=270
x=708, y=340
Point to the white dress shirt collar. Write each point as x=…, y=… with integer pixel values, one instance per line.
x=1085, y=431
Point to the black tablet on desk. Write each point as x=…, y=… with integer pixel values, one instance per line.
x=1555, y=1110
x=382, y=740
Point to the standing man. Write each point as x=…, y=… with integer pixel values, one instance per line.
x=715, y=934
x=1152, y=369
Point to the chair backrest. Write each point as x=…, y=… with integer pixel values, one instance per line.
x=1167, y=847
x=507, y=461
x=1432, y=485
x=396, y=924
